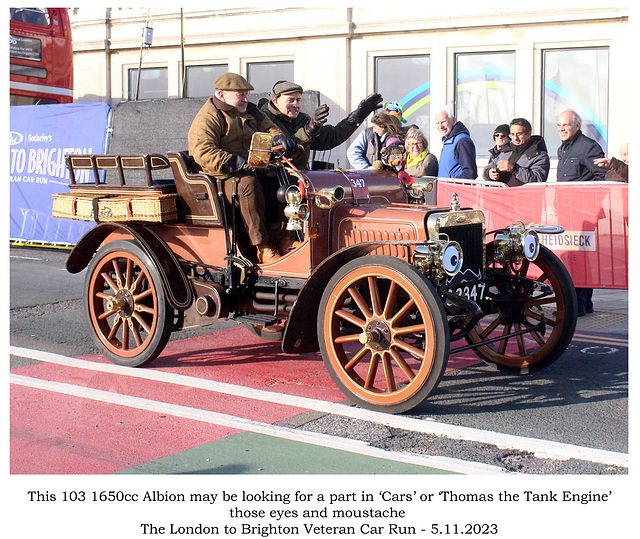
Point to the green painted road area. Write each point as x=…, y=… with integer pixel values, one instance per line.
x=250, y=453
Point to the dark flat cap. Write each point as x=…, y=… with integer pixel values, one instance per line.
x=232, y=81
x=284, y=87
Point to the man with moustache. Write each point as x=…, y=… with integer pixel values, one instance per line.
x=283, y=108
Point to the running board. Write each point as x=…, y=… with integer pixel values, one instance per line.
x=258, y=319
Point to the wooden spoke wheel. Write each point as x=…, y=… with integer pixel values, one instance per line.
x=551, y=302
x=383, y=333
x=125, y=304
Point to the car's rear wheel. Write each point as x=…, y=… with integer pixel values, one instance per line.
x=125, y=304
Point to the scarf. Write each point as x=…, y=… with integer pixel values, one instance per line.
x=413, y=161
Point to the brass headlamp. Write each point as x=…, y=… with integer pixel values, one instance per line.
x=295, y=211
x=515, y=244
x=439, y=257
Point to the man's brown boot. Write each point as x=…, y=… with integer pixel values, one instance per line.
x=267, y=252
x=286, y=244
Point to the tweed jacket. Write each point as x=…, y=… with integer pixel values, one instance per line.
x=219, y=130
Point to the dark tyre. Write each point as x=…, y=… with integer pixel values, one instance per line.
x=383, y=333
x=268, y=333
x=555, y=305
x=125, y=304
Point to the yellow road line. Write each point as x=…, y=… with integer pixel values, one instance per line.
x=601, y=340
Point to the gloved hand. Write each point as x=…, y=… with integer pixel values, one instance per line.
x=368, y=105
x=316, y=122
x=236, y=163
x=289, y=144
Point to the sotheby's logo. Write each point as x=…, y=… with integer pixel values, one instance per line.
x=15, y=138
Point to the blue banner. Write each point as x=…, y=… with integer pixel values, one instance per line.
x=40, y=137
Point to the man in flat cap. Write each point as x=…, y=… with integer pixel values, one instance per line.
x=219, y=142
x=284, y=110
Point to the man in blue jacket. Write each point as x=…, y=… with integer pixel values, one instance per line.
x=577, y=152
x=458, y=156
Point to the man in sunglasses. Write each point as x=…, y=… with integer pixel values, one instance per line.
x=523, y=160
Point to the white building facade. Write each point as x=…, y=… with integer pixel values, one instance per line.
x=490, y=65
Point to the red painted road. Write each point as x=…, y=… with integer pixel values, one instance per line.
x=52, y=433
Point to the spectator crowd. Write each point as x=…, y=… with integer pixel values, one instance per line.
x=518, y=157
x=220, y=135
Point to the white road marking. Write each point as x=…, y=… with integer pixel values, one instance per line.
x=540, y=448
x=314, y=438
x=599, y=350
x=25, y=257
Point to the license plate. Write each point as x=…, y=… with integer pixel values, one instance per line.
x=474, y=292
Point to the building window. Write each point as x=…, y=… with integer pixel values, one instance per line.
x=407, y=80
x=263, y=75
x=576, y=79
x=30, y=15
x=199, y=79
x=485, y=94
x=153, y=83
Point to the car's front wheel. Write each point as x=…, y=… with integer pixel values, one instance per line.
x=383, y=334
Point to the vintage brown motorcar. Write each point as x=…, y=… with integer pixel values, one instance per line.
x=381, y=282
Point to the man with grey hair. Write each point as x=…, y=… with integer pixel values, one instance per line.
x=618, y=169
x=576, y=162
x=458, y=156
x=577, y=153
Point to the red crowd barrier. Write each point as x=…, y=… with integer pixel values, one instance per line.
x=594, y=215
